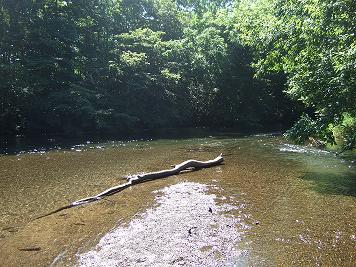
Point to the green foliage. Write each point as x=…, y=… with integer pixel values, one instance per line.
x=314, y=43
x=302, y=130
x=111, y=66
x=345, y=132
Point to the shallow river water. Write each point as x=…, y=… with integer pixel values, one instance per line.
x=270, y=204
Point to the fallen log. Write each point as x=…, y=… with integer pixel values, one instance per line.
x=140, y=178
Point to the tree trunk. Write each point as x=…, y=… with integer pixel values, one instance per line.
x=136, y=179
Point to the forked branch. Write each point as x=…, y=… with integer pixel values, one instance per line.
x=136, y=179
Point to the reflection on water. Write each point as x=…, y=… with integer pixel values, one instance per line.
x=330, y=183
x=326, y=172
x=298, y=203
x=302, y=149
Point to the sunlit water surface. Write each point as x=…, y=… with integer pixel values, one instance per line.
x=270, y=204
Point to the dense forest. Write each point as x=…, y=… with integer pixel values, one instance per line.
x=115, y=66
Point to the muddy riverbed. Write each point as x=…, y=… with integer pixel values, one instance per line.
x=270, y=204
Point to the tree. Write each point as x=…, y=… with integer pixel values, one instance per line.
x=113, y=66
x=313, y=43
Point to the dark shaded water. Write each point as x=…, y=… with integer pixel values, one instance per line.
x=288, y=204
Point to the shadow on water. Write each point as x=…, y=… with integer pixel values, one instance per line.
x=330, y=183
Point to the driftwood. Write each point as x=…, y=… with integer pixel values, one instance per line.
x=140, y=178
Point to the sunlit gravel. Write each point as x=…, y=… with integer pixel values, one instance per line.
x=187, y=227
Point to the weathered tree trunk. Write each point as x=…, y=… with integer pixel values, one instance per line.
x=136, y=179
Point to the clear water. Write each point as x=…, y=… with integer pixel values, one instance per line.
x=296, y=205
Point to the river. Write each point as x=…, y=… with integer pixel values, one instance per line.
x=270, y=204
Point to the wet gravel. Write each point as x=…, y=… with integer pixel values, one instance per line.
x=186, y=228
